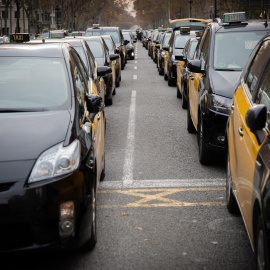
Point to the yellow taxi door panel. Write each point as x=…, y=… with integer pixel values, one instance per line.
x=243, y=156
x=166, y=56
x=194, y=96
x=179, y=74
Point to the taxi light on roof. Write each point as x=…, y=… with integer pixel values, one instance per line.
x=234, y=17
x=198, y=34
x=18, y=38
x=95, y=25
x=185, y=30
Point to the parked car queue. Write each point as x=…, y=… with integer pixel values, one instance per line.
x=51, y=171
x=222, y=76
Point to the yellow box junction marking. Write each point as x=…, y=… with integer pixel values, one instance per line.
x=159, y=196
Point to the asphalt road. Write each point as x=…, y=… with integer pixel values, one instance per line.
x=158, y=208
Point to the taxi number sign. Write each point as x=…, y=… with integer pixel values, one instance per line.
x=234, y=17
x=20, y=37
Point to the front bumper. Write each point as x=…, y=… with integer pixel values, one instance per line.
x=30, y=216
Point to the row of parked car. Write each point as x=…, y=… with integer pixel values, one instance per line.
x=52, y=96
x=221, y=72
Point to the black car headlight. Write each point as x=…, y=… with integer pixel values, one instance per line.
x=129, y=46
x=163, y=53
x=219, y=104
x=56, y=161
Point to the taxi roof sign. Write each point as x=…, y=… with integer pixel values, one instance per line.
x=235, y=17
x=185, y=30
x=19, y=38
x=95, y=25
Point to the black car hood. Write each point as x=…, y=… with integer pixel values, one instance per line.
x=24, y=136
x=223, y=82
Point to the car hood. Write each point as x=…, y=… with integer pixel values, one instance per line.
x=223, y=82
x=24, y=136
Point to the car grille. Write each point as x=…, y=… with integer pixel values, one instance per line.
x=6, y=186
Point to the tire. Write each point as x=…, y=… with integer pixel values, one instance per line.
x=117, y=84
x=160, y=71
x=260, y=246
x=230, y=198
x=178, y=93
x=102, y=175
x=114, y=91
x=190, y=126
x=90, y=244
x=204, y=153
x=108, y=101
x=184, y=99
x=165, y=76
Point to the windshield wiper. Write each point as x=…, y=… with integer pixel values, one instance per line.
x=179, y=48
x=8, y=110
x=228, y=69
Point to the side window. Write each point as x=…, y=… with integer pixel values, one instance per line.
x=80, y=84
x=257, y=67
x=107, y=52
x=204, y=48
x=263, y=95
x=91, y=60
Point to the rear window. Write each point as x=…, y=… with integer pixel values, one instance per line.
x=114, y=34
x=96, y=48
x=33, y=83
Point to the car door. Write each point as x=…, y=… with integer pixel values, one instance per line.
x=180, y=67
x=244, y=146
x=194, y=79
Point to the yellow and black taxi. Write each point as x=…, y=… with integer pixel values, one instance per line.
x=130, y=46
x=146, y=39
x=156, y=52
x=117, y=36
x=223, y=51
x=163, y=53
x=113, y=50
x=183, y=30
x=248, y=152
x=182, y=70
x=50, y=173
x=104, y=58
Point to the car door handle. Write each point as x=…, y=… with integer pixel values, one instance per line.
x=191, y=77
x=232, y=106
x=240, y=131
x=98, y=116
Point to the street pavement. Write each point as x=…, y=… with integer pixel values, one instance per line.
x=158, y=207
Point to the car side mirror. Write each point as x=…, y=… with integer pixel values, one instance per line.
x=114, y=57
x=126, y=42
x=94, y=103
x=135, y=40
x=180, y=57
x=117, y=50
x=255, y=119
x=158, y=46
x=195, y=66
x=165, y=48
x=103, y=70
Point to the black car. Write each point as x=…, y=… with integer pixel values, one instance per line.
x=116, y=34
x=130, y=46
x=113, y=50
x=50, y=164
x=104, y=58
x=176, y=45
x=223, y=51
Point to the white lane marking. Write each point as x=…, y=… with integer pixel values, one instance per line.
x=135, y=77
x=136, y=62
x=135, y=67
x=166, y=183
x=130, y=144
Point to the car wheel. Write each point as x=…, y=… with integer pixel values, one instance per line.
x=117, y=84
x=90, y=244
x=184, y=99
x=260, y=246
x=171, y=82
x=178, y=93
x=230, y=199
x=190, y=126
x=108, y=100
x=161, y=71
x=126, y=61
x=204, y=153
x=102, y=175
x=114, y=91
x=165, y=77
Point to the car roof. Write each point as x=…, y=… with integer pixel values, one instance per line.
x=103, y=28
x=52, y=50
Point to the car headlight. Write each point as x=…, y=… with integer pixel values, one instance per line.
x=220, y=104
x=163, y=53
x=56, y=161
x=129, y=46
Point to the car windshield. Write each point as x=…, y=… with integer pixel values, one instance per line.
x=96, y=48
x=81, y=53
x=166, y=40
x=114, y=34
x=32, y=83
x=109, y=44
x=232, y=50
x=181, y=40
x=127, y=36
